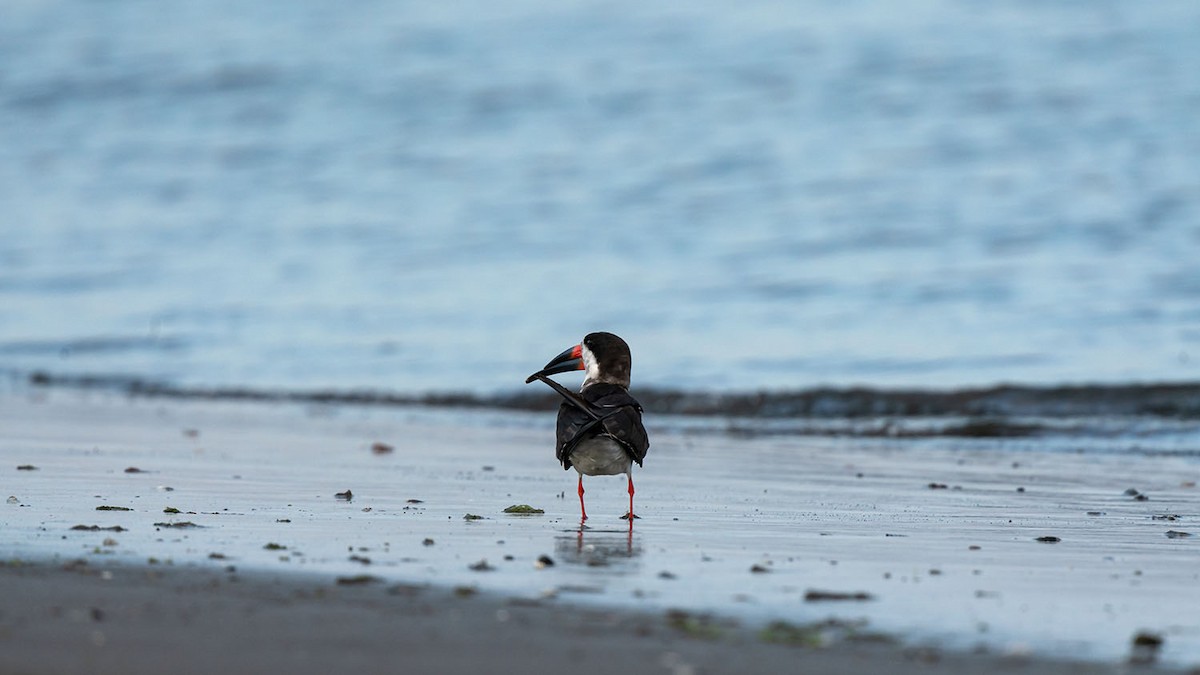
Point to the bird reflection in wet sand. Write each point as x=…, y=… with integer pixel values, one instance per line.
x=600, y=430
x=596, y=548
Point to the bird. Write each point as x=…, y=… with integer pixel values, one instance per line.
x=599, y=431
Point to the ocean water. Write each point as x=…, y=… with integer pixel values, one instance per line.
x=419, y=197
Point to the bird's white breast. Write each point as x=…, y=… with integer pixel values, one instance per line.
x=600, y=456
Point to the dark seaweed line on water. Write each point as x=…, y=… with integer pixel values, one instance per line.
x=987, y=412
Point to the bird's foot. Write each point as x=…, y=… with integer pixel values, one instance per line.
x=630, y=516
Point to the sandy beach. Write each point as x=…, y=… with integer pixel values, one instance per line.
x=211, y=535
x=116, y=619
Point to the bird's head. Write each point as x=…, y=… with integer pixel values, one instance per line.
x=604, y=356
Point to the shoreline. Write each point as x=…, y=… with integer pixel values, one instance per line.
x=70, y=617
x=1178, y=400
x=939, y=546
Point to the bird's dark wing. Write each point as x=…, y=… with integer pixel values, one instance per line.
x=619, y=416
x=574, y=425
x=625, y=425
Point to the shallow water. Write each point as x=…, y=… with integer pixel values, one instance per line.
x=441, y=197
x=826, y=514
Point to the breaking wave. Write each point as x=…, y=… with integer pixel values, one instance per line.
x=993, y=412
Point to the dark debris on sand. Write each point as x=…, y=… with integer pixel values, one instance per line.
x=836, y=596
x=1145, y=648
x=358, y=580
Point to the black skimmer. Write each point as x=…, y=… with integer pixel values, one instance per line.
x=600, y=430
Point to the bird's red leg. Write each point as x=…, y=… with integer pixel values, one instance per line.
x=629, y=516
x=582, y=511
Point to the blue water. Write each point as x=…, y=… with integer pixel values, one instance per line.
x=442, y=196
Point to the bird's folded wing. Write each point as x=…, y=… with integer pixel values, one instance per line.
x=621, y=415
x=625, y=424
x=573, y=426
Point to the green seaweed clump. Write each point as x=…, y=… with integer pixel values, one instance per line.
x=113, y=508
x=358, y=580
x=785, y=633
x=97, y=528
x=472, y=516
x=523, y=509
x=822, y=633
x=699, y=627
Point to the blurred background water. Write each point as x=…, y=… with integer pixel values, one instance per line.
x=441, y=196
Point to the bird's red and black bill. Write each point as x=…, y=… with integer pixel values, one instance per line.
x=570, y=359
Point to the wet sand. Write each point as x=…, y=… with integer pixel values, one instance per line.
x=115, y=619
x=921, y=553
